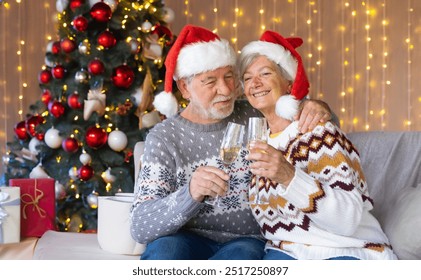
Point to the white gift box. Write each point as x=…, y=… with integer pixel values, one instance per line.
x=114, y=225
x=9, y=215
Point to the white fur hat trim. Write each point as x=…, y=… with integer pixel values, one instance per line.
x=200, y=57
x=275, y=52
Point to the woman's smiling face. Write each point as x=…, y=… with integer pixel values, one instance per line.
x=264, y=84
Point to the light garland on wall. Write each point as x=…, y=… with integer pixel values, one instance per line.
x=319, y=50
x=368, y=111
x=215, y=12
x=4, y=16
x=408, y=122
x=310, y=69
x=385, y=82
x=234, y=39
x=21, y=43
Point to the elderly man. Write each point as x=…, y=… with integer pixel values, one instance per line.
x=181, y=165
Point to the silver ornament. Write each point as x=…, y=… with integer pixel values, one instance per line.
x=84, y=47
x=93, y=200
x=82, y=76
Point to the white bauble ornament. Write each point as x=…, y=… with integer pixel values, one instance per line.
x=146, y=26
x=169, y=15
x=107, y=176
x=49, y=62
x=32, y=146
x=52, y=138
x=38, y=172
x=117, y=140
x=49, y=47
x=73, y=173
x=93, y=200
x=60, y=191
x=61, y=5
x=85, y=158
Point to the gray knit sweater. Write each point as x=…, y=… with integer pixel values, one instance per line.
x=174, y=149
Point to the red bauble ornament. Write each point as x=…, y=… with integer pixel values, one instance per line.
x=73, y=101
x=44, y=76
x=70, y=145
x=56, y=108
x=67, y=45
x=32, y=123
x=107, y=39
x=96, y=137
x=80, y=23
x=96, y=67
x=162, y=31
x=58, y=71
x=46, y=96
x=85, y=172
x=123, y=76
x=20, y=130
x=101, y=12
x=56, y=48
x=74, y=4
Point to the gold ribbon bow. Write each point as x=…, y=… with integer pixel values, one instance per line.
x=33, y=200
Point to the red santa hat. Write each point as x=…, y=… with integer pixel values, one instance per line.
x=196, y=50
x=282, y=51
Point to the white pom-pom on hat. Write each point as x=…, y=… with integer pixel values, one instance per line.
x=287, y=107
x=166, y=103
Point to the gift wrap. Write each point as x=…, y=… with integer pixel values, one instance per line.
x=37, y=205
x=114, y=225
x=9, y=215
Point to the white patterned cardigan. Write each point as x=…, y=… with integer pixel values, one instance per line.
x=325, y=210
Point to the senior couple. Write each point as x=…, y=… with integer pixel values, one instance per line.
x=318, y=202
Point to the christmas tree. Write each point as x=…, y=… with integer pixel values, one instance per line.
x=97, y=86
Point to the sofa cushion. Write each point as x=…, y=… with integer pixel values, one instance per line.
x=402, y=224
x=391, y=162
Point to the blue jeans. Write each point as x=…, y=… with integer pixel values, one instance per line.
x=278, y=255
x=185, y=245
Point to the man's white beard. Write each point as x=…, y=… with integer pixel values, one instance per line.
x=212, y=112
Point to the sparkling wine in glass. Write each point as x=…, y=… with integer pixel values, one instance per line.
x=257, y=132
x=230, y=148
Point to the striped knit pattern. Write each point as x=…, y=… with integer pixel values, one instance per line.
x=324, y=212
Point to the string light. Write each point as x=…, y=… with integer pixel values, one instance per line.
x=368, y=67
x=21, y=43
x=215, y=11
x=408, y=121
x=384, y=66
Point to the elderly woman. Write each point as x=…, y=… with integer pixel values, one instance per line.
x=318, y=201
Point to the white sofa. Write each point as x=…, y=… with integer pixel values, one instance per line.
x=392, y=165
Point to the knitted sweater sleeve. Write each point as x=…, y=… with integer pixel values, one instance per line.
x=328, y=185
x=162, y=205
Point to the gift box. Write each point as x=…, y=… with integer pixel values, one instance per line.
x=114, y=224
x=9, y=215
x=37, y=205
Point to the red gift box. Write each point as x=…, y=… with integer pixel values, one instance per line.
x=37, y=206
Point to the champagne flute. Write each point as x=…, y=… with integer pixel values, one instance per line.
x=257, y=132
x=230, y=148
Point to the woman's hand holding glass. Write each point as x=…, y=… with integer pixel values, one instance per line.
x=268, y=162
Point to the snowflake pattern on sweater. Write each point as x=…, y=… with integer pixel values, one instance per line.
x=325, y=210
x=174, y=149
